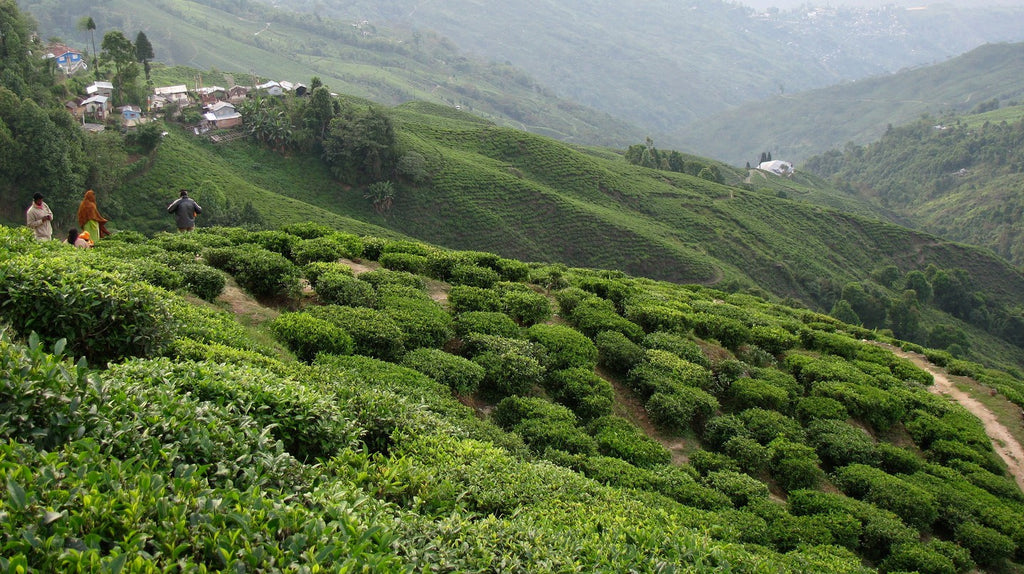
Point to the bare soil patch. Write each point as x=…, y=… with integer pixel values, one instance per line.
x=1003, y=442
x=249, y=310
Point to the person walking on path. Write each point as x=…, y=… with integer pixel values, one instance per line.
x=89, y=218
x=38, y=218
x=185, y=209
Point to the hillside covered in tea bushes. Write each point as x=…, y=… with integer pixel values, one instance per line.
x=402, y=407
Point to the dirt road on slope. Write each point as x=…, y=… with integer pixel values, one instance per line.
x=1005, y=445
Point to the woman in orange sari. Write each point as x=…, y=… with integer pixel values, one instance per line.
x=89, y=217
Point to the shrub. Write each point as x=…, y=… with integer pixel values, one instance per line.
x=617, y=353
x=665, y=372
x=740, y=488
x=569, y=298
x=772, y=339
x=594, y=315
x=705, y=462
x=407, y=262
x=102, y=316
x=306, y=335
x=313, y=270
x=720, y=429
x=732, y=334
x=526, y=307
x=307, y=229
x=794, y=466
x=263, y=273
x=153, y=272
x=681, y=409
x=619, y=438
x=382, y=277
x=748, y=393
x=461, y=375
x=424, y=321
x=474, y=276
x=917, y=558
x=580, y=389
x=748, y=453
x=839, y=443
x=809, y=409
x=336, y=287
x=509, y=373
x=988, y=547
x=790, y=532
x=766, y=425
x=678, y=345
x=277, y=241
x=373, y=333
x=203, y=281
x=567, y=348
x=464, y=298
x=542, y=424
x=486, y=322
x=657, y=318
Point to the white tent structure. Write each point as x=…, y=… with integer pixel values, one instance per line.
x=778, y=167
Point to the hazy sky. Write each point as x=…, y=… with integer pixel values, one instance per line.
x=786, y=4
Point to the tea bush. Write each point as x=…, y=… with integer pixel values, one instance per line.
x=617, y=353
x=336, y=287
x=766, y=425
x=580, y=389
x=838, y=443
x=306, y=335
x=654, y=318
x=732, y=334
x=313, y=270
x=619, y=438
x=988, y=546
x=276, y=241
x=203, y=281
x=567, y=348
x=592, y=316
x=543, y=424
x=407, y=262
x=424, y=322
x=461, y=375
x=102, y=316
x=774, y=340
x=740, y=488
x=720, y=429
x=526, y=307
x=464, y=299
x=747, y=393
x=474, y=276
x=263, y=273
x=509, y=373
x=486, y=322
x=681, y=409
x=809, y=409
x=326, y=248
x=678, y=345
x=372, y=332
x=793, y=465
x=381, y=277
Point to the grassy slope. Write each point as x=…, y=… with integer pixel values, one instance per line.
x=794, y=127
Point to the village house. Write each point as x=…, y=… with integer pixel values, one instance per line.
x=211, y=94
x=222, y=115
x=96, y=106
x=237, y=93
x=100, y=88
x=173, y=94
x=131, y=116
x=68, y=60
x=272, y=88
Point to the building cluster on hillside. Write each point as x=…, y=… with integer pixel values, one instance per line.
x=218, y=104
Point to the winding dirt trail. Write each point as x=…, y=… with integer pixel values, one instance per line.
x=1005, y=445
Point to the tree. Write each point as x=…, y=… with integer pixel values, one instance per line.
x=905, y=317
x=119, y=51
x=382, y=194
x=87, y=23
x=319, y=111
x=143, y=52
x=361, y=146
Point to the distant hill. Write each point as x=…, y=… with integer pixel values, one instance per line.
x=795, y=127
x=386, y=65
x=959, y=177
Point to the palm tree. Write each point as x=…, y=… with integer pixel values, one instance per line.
x=87, y=23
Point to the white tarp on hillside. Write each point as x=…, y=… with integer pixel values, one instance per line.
x=778, y=167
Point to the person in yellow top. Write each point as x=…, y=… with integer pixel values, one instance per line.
x=89, y=218
x=38, y=218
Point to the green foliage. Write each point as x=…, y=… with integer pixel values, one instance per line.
x=312, y=271
x=617, y=353
x=202, y=280
x=543, y=425
x=336, y=287
x=567, y=348
x=580, y=389
x=486, y=322
x=679, y=410
x=461, y=375
x=592, y=316
x=424, y=322
x=306, y=336
x=102, y=316
x=263, y=273
x=474, y=276
x=739, y=487
x=988, y=547
x=465, y=298
x=372, y=332
x=408, y=262
x=748, y=393
x=619, y=438
x=526, y=306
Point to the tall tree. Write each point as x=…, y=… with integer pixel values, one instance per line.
x=143, y=52
x=87, y=23
x=119, y=51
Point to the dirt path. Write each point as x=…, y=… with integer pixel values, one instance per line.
x=1005, y=445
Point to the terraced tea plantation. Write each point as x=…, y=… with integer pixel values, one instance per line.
x=404, y=408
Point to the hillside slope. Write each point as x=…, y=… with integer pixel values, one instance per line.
x=808, y=448
x=796, y=126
